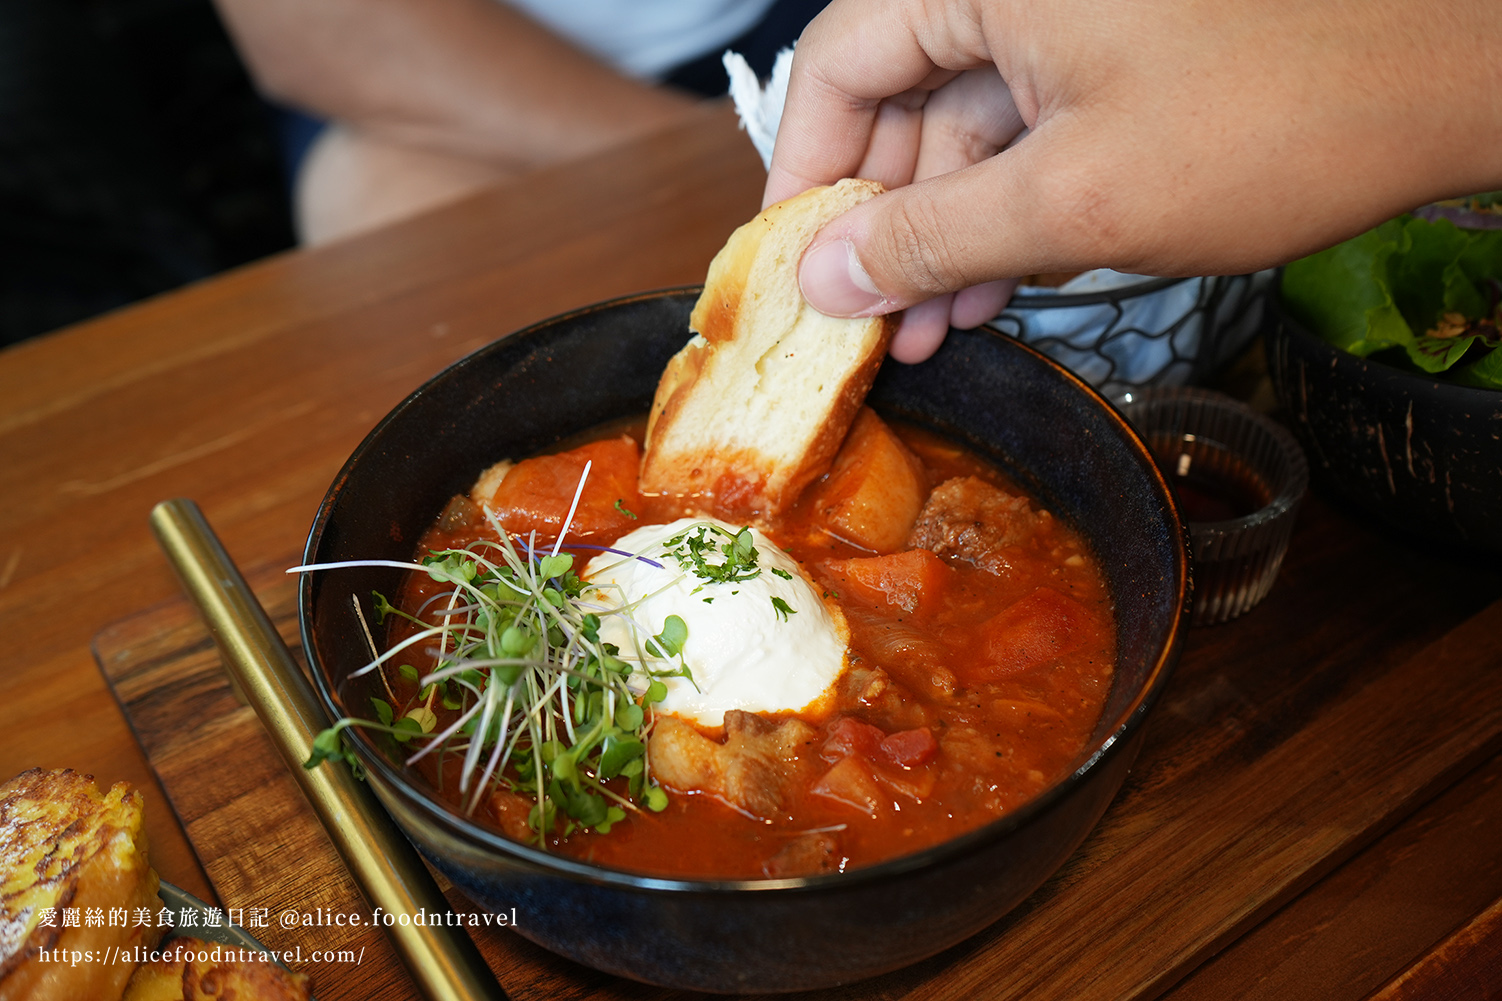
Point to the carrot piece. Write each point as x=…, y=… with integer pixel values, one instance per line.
x=910, y=581
x=536, y=493
x=1037, y=630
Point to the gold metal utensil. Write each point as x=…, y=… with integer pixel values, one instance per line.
x=442, y=960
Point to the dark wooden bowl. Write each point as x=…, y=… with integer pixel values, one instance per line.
x=1422, y=455
x=524, y=393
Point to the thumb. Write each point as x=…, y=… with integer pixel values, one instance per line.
x=934, y=236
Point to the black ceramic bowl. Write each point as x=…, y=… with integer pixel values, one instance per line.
x=1422, y=455
x=523, y=394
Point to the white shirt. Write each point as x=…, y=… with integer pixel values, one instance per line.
x=646, y=38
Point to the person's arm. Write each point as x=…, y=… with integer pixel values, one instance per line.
x=1169, y=137
x=469, y=78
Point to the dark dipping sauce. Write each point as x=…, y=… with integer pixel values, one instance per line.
x=1211, y=482
x=978, y=664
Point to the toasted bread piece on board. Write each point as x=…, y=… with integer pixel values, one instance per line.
x=66, y=847
x=754, y=408
x=190, y=969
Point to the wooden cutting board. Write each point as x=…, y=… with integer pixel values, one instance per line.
x=1288, y=740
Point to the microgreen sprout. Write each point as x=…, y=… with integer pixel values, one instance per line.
x=532, y=700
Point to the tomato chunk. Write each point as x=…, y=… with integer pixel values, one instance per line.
x=910, y=748
x=536, y=493
x=1034, y=631
x=914, y=581
x=851, y=738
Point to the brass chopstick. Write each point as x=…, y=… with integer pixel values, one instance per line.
x=442, y=960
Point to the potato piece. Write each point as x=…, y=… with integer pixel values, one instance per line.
x=64, y=845
x=512, y=812
x=489, y=482
x=916, y=784
x=875, y=489
x=850, y=782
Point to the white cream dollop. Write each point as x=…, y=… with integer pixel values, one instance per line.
x=744, y=650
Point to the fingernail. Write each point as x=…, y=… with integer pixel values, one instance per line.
x=835, y=284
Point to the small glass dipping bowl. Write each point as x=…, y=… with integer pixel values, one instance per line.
x=1238, y=478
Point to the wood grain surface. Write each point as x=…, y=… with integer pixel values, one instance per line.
x=1263, y=774
x=246, y=393
x=1467, y=966
x=1315, y=811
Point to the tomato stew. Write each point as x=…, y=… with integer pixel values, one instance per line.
x=981, y=653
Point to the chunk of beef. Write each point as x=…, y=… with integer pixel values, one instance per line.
x=975, y=521
x=749, y=771
x=683, y=758
x=759, y=757
x=807, y=854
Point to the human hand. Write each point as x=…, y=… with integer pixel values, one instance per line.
x=1168, y=137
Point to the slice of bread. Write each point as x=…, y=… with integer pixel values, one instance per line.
x=190, y=969
x=65, y=847
x=754, y=408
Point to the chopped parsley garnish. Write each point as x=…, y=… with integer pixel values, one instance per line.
x=711, y=553
x=620, y=505
x=783, y=609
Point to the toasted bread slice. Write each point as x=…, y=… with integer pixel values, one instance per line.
x=190, y=969
x=64, y=846
x=754, y=408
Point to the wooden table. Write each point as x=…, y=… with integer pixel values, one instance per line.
x=247, y=392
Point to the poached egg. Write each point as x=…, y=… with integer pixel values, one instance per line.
x=760, y=635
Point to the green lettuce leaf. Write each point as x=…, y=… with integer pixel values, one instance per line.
x=1486, y=373
x=1438, y=354
x=1341, y=293
x=1387, y=288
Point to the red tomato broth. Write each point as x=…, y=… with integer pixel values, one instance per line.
x=933, y=733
